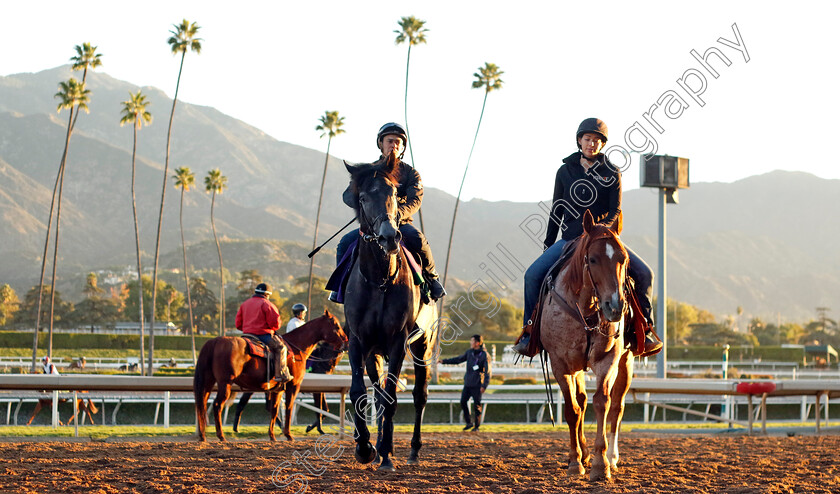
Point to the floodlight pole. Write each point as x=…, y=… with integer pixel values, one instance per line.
x=662, y=304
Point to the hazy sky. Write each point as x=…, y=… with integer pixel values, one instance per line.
x=279, y=65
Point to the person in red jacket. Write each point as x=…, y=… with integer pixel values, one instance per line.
x=259, y=317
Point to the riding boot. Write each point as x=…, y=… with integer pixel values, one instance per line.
x=334, y=297
x=653, y=344
x=524, y=340
x=281, y=370
x=436, y=290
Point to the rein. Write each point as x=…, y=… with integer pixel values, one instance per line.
x=601, y=325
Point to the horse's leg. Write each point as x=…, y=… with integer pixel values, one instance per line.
x=365, y=452
x=240, y=407
x=221, y=397
x=601, y=402
x=35, y=412
x=421, y=396
x=389, y=398
x=573, y=417
x=272, y=403
x=291, y=394
x=618, y=393
x=580, y=396
x=373, y=365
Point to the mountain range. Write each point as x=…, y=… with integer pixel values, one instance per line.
x=766, y=243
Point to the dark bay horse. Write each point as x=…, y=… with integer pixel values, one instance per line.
x=225, y=361
x=582, y=321
x=382, y=306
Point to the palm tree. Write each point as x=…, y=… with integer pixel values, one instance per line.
x=488, y=77
x=330, y=126
x=86, y=56
x=134, y=113
x=184, y=179
x=74, y=97
x=411, y=30
x=215, y=183
x=183, y=38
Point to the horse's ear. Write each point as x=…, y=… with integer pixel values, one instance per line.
x=618, y=224
x=350, y=168
x=588, y=221
x=326, y=312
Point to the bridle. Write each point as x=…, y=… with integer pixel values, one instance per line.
x=600, y=325
x=366, y=231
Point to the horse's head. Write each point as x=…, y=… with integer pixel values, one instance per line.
x=374, y=189
x=605, y=260
x=333, y=334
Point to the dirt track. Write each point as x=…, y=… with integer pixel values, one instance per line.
x=464, y=463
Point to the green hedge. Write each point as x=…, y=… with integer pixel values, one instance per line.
x=737, y=354
x=10, y=339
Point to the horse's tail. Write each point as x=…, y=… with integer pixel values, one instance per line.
x=203, y=370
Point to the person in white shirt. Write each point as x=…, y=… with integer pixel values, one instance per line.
x=299, y=313
x=49, y=367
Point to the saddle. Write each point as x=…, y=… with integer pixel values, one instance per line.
x=338, y=280
x=635, y=324
x=257, y=348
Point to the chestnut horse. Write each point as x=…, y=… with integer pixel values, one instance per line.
x=225, y=361
x=582, y=327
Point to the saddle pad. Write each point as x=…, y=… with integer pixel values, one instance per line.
x=256, y=348
x=338, y=280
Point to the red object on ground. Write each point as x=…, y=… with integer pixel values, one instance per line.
x=755, y=388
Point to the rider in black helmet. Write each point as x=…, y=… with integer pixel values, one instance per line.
x=587, y=165
x=391, y=139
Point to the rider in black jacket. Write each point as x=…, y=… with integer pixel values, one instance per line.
x=586, y=181
x=476, y=379
x=391, y=139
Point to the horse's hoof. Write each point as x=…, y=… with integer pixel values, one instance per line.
x=600, y=473
x=386, y=465
x=222, y=439
x=576, y=469
x=290, y=438
x=365, y=454
x=412, y=458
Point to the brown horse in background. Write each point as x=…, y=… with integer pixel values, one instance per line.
x=86, y=406
x=225, y=361
x=581, y=327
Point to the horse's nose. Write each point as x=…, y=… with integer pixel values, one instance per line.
x=613, y=307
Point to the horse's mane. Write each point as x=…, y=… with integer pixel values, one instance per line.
x=574, y=276
x=361, y=174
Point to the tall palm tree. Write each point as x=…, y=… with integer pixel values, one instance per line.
x=134, y=112
x=183, y=38
x=411, y=30
x=215, y=183
x=86, y=56
x=74, y=97
x=488, y=77
x=184, y=179
x=330, y=126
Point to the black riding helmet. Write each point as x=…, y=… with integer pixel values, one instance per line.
x=298, y=308
x=391, y=128
x=592, y=126
x=263, y=289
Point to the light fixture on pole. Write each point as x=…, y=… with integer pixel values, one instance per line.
x=668, y=174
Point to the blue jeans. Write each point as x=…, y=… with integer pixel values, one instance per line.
x=535, y=274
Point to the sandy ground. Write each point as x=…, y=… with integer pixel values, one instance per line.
x=464, y=463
